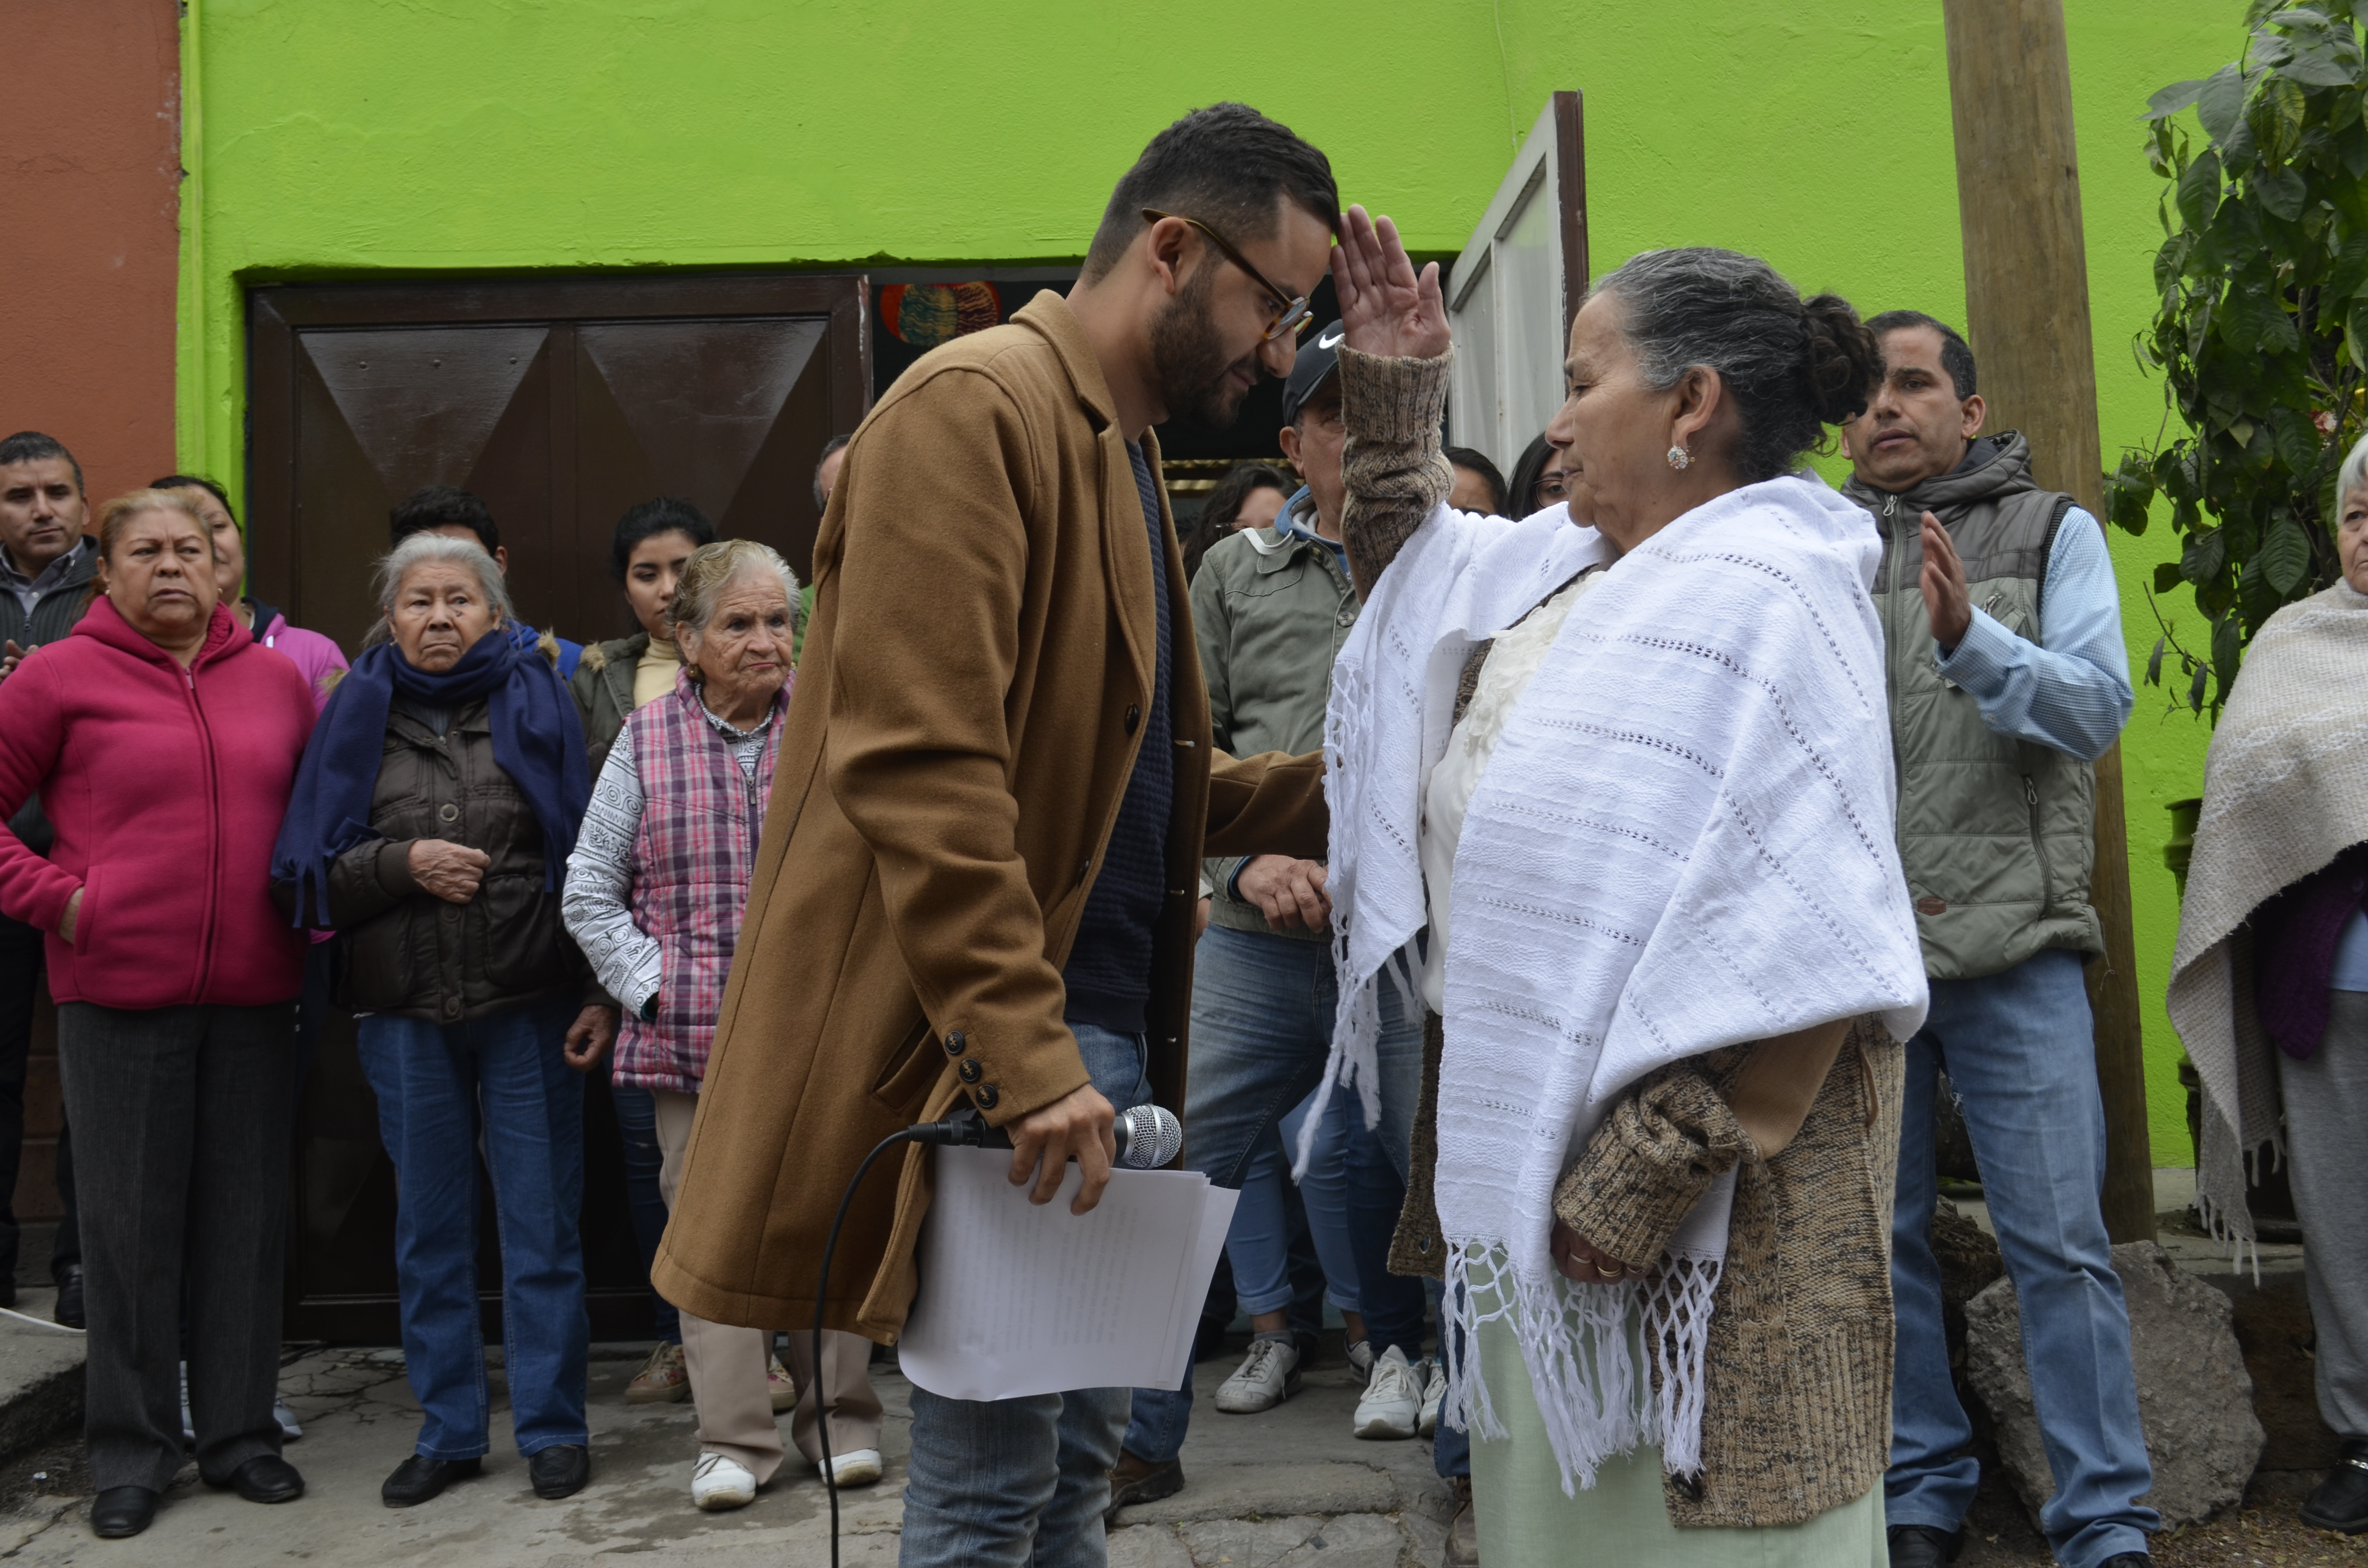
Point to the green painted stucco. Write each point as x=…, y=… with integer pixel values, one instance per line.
x=341, y=138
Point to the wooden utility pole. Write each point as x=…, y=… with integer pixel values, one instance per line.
x=2027, y=316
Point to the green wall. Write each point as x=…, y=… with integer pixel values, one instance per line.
x=343, y=138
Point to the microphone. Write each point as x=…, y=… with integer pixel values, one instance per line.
x=1149, y=1135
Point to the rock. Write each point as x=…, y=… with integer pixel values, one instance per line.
x=1970, y=1264
x=2195, y=1397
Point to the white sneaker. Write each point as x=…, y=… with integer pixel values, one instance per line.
x=1268, y=1376
x=720, y=1482
x=860, y=1468
x=1434, y=1394
x=1360, y=1360
x=1392, y=1399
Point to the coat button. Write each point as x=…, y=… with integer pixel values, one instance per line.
x=970, y=1071
x=985, y=1096
x=451, y=912
x=452, y=1006
x=954, y=1043
x=1134, y=717
x=449, y=812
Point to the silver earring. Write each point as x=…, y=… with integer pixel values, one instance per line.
x=1681, y=459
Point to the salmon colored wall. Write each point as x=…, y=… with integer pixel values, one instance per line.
x=90, y=172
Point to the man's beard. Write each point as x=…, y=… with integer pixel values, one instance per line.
x=1194, y=377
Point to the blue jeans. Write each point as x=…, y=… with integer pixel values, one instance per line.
x=1262, y=1014
x=1258, y=1242
x=637, y=1129
x=1011, y=1482
x=2017, y=1049
x=438, y=1086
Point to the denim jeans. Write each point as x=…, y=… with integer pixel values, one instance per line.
x=1010, y=1482
x=438, y=1086
x=1262, y=1014
x=1259, y=1243
x=637, y=1129
x=2017, y=1049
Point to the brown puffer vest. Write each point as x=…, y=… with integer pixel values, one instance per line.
x=407, y=951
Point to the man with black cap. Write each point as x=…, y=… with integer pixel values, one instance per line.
x=1270, y=609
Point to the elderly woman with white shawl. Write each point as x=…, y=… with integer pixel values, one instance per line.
x=2269, y=983
x=1636, y=779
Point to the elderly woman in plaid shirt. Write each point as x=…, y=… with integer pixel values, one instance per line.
x=654, y=894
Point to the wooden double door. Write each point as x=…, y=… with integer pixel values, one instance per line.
x=562, y=404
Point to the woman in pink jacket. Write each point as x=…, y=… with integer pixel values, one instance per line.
x=321, y=661
x=162, y=740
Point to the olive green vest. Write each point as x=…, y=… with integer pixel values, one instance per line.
x=1997, y=834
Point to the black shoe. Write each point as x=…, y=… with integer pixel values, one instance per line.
x=418, y=1478
x=2341, y=1502
x=69, y=1311
x=1922, y=1546
x=560, y=1471
x=266, y=1478
x=122, y=1511
x=1136, y=1480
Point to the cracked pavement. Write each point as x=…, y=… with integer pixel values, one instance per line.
x=1276, y=1489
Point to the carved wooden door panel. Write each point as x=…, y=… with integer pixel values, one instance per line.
x=561, y=404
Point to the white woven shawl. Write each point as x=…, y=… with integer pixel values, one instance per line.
x=2286, y=790
x=1684, y=841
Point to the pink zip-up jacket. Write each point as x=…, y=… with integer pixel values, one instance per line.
x=166, y=787
x=321, y=661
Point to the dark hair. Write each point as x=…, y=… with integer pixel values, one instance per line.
x=1792, y=365
x=32, y=445
x=1956, y=353
x=196, y=482
x=443, y=505
x=1226, y=166
x=1521, y=494
x=1224, y=505
x=822, y=496
x=1477, y=461
x=664, y=516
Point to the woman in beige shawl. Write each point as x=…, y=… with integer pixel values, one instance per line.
x=2269, y=987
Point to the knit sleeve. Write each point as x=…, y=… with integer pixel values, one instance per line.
x=1666, y=1141
x=596, y=904
x=1392, y=465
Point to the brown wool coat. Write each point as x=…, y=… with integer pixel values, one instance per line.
x=967, y=714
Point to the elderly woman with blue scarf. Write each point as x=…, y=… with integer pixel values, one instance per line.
x=430, y=826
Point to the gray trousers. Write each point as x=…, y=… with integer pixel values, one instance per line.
x=2326, y=1150
x=180, y=1119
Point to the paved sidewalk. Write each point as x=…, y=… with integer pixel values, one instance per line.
x=1264, y=1489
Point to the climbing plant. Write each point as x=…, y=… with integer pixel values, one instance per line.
x=2262, y=331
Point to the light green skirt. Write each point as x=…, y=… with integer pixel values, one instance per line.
x=1526, y=1522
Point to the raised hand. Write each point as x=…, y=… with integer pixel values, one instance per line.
x=1385, y=307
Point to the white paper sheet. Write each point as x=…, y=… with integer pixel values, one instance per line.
x=1018, y=1299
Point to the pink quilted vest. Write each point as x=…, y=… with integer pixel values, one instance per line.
x=700, y=820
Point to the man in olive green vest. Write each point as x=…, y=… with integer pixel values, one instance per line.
x=2007, y=678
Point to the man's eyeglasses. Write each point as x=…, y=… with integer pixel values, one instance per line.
x=1292, y=317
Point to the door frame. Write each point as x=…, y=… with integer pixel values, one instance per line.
x=276, y=311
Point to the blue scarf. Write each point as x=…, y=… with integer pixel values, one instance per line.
x=538, y=740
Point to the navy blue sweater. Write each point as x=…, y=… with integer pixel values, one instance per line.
x=1108, y=973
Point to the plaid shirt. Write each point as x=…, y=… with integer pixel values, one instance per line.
x=693, y=856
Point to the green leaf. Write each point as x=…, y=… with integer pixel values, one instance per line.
x=2355, y=331
x=2154, y=666
x=2285, y=557
x=2317, y=68
x=2171, y=99
x=2196, y=688
x=2281, y=192
x=2297, y=441
x=2347, y=272
x=2278, y=119
x=2199, y=190
x=2165, y=577
x=2220, y=104
x=2227, y=640
x=2205, y=554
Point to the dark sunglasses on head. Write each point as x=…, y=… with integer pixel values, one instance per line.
x=1292, y=315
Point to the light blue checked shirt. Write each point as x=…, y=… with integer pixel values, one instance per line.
x=2071, y=688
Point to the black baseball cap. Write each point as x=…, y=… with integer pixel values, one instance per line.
x=1318, y=358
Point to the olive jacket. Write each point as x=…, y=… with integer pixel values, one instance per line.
x=407, y=952
x=602, y=686
x=968, y=710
